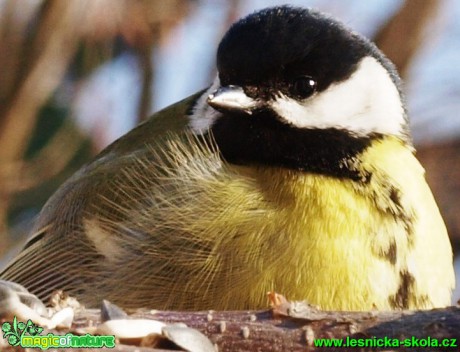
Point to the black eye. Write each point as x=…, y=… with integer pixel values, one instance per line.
x=303, y=87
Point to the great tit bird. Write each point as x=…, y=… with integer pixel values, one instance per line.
x=293, y=172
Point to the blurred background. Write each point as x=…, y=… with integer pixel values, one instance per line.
x=76, y=75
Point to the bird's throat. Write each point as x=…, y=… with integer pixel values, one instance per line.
x=262, y=139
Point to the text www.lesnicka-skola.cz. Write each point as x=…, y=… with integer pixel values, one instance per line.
x=386, y=342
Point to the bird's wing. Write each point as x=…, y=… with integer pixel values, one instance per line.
x=43, y=265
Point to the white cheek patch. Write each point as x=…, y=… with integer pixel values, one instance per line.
x=367, y=102
x=203, y=115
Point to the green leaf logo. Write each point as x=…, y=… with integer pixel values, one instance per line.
x=13, y=332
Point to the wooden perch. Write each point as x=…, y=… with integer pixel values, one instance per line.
x=294, y=326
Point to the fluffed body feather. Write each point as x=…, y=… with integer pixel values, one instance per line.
x=177, y=227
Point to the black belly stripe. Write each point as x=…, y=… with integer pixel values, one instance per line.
x=390, y=253
x=405, y=293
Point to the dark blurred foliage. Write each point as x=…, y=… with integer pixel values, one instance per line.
x=48, y=48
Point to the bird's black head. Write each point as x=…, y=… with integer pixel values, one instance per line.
x=279, y=45
x=298, y=89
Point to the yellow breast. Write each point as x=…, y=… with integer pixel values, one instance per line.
x=224, y=237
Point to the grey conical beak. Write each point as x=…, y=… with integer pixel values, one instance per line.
x=232, y=98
